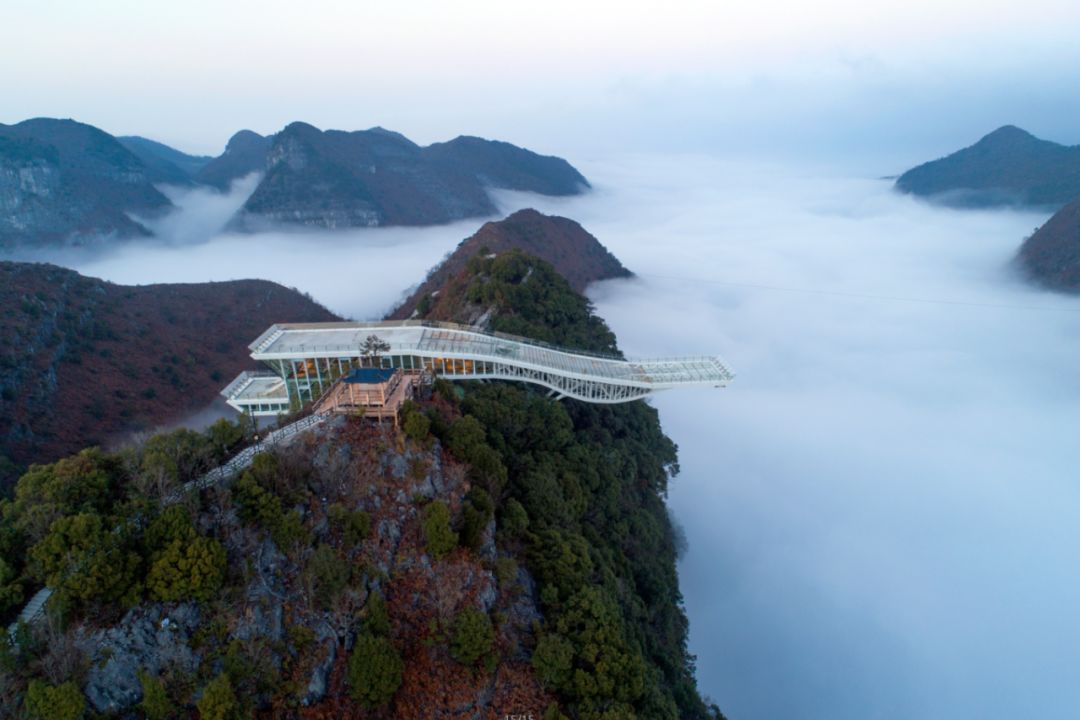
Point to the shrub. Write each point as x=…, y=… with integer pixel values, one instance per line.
x=506, y=571
x=289, y=530
x=261, y=507
x=376, y=619
x=331, y=575
x=218, y=701
x=54, y=702
x=374, y=671
x=438, y=535
x=354, y=525
x=476, y=513
x=416, y=425
x=473, y=636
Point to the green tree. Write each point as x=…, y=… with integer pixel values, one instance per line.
x=438, y=535
x=187, y=452
x=155, y=702
x=11, y=588
x=376, y=619
x=553, y=660
x=257, y=504
x=174, y=523
x=224, y=436
x=476, y=513
x=372, y=347
x=473, y=636
x=192, y=569
x=514, y=520
x=606, y=666
x=465, y=436
x=84, y=560
x=81, y=483
x=54, y=702
x=374, y=671
x=218, y=701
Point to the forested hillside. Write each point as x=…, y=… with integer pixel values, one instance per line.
x=85, y=361
x=502, y=554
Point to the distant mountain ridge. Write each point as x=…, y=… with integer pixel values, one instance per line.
x=1007, y=167
x=335, y=179
x=64, y=182
x=574, y=253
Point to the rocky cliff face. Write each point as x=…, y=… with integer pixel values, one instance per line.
x=575, y=254
x=335, y=179
x=65, y=182
x=1007, y=167
x=1051, y=256
x=83, y=360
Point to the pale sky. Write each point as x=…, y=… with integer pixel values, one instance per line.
x=560, y=76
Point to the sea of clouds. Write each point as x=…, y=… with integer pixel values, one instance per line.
x=883, y=510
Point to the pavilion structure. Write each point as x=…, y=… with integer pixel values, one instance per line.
x=372, y=392
x=306, y=360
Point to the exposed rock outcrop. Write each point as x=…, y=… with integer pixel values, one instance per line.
x=149, y=639
x=65, y=182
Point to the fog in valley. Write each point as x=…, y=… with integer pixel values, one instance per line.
x=882, y=510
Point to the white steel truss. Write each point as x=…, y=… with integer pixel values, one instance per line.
x=308, y=356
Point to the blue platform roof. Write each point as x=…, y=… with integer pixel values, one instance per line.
x=369, y=376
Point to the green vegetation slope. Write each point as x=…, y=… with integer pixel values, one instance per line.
x=501, y=554
x=1007, y=167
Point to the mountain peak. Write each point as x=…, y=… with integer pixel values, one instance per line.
x=574, y=253
x=1008, y=134
x=1010, y=166
x=244, y=139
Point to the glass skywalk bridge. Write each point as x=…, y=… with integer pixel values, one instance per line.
x=306, y=358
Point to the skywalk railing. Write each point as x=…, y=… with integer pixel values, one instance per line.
x=264, y=340
x=403, y=348
x=242, y=460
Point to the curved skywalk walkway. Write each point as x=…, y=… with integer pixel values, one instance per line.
x=460, y=352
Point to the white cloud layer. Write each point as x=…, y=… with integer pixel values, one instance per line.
x=882, y=510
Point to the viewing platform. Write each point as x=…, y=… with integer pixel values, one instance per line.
x=307, y=358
